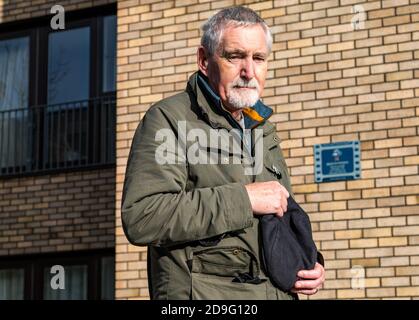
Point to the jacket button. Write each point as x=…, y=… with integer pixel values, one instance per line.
x=236, y=252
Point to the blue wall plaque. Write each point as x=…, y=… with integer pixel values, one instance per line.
x=337, y=161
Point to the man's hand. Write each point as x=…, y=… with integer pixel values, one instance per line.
x=310, y=280
x=268, y=197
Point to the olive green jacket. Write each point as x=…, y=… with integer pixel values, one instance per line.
x=196, y=219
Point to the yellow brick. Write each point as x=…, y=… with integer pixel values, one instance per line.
x=128, y=52
x=334, y=245
x=389, y=181
x=371, y=262
x=128, y=19
x=411, y=160
x=374, y=14
x=388, y=143
x=400, y=94
x=345, y=195
x=300, y=43
x=124, y=293
x=301, y=60
x=395, y=281
x=407, y=271
x=380, y=292
x=395, y=261
x=363, y=243
x=377, y=192
x=408, y=250
x=405, y=190
x=403, y=171
x=174, y=12
x=152, y=98
x=138, y=9
x=347, y=27
x=337, y=284
x=262, y=5
x=410, y=84
x=372, y=282
x=272, y=13
x=300, y=25
x=305, y=188
x=360, y=184
x=341, y=46
x=333, y=225
x=377, y=232
x=324, y=94
x=127, y=84
x=351, y=293
x=362, y=223
x=392, y=241
x=347, y=214
x=407, y=291
x=151, y=15
x=412, y=200
x=333, y=205
x=348, y=234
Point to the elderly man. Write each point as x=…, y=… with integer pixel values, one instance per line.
x=200, y=219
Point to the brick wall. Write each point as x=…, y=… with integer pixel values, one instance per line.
x=57, y=212
x=327, y=83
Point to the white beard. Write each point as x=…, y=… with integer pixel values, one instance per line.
x=242, y=98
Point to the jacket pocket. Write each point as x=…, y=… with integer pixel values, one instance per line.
x=214, y=269
x=214, y=287
x=224, y=261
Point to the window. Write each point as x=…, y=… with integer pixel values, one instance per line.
x=68, y=66
x=14, y=99
x=11, y=284
x=109, y=56
x=87, y=275
x=108, y=278
x=57, y=95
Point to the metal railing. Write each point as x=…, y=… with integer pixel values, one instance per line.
x=56, y=137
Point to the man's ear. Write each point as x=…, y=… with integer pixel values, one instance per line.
x=202, y=60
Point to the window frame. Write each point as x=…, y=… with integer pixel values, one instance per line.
x=38, y=30
x=35, y=264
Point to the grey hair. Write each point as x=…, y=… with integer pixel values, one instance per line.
x=235, y=16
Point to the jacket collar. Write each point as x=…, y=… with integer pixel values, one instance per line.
x=214, y=111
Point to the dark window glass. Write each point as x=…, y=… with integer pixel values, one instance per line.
x=14, y=73
x=109, y=53
x=108, y=278
x=14, y=94
x=68, y=81
x=68, y=65
x=12, y=284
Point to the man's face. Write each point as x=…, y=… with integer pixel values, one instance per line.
x=237, y=71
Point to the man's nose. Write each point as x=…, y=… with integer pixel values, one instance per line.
x=247, y=69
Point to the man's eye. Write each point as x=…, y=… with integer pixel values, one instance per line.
x=260, y=59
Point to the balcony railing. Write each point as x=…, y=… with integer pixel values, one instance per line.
x=57, y=137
